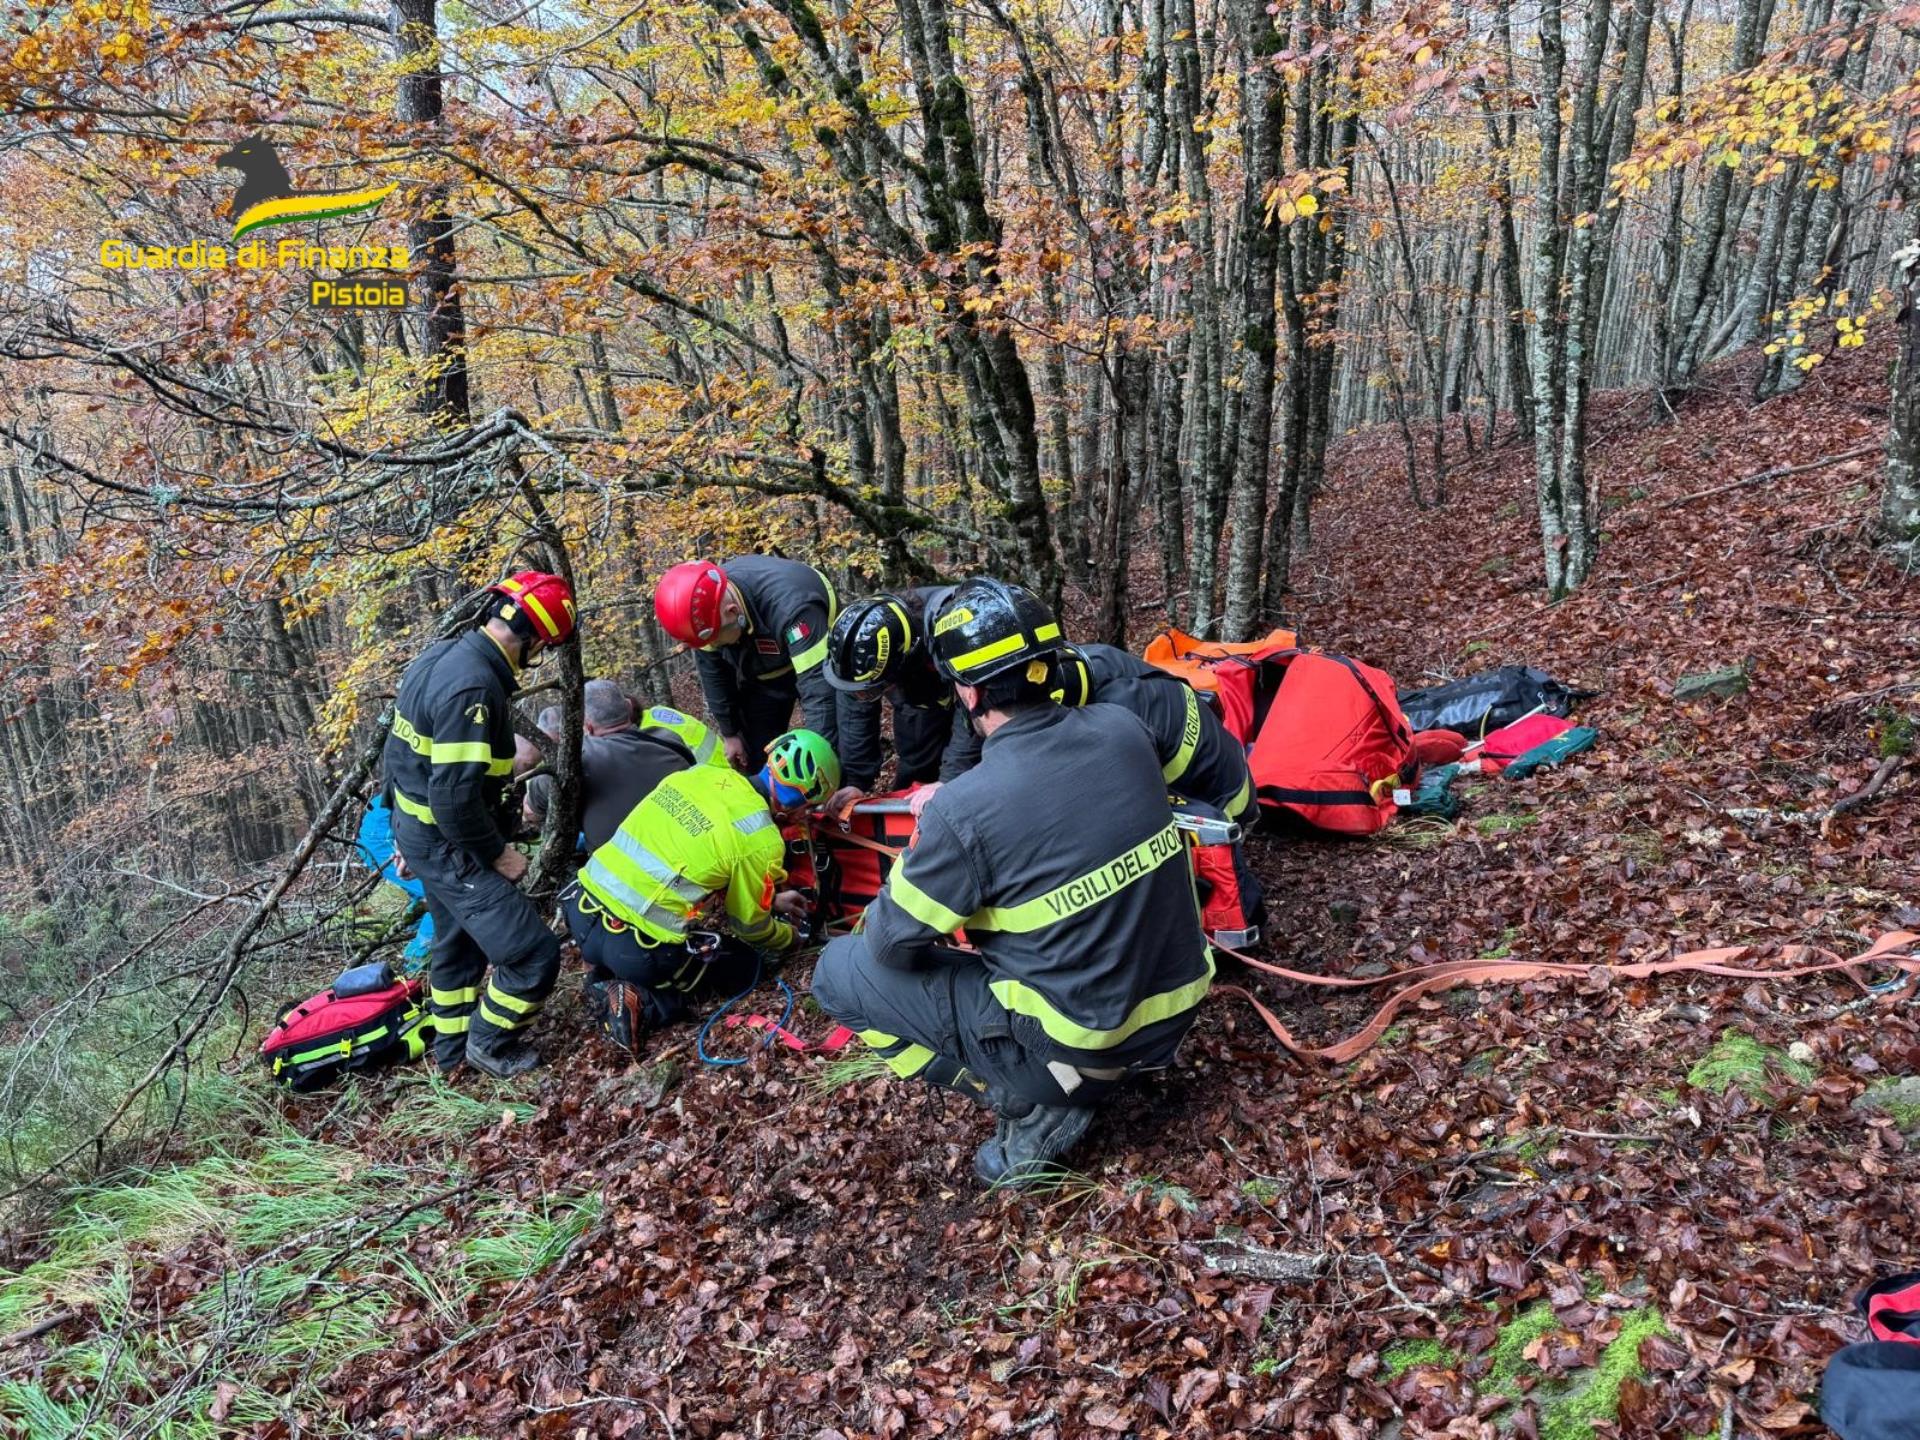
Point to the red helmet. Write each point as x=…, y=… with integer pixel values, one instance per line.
x=543, y=602
x=686, y=602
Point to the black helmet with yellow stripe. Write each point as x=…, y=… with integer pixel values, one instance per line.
x=1073, y=678
x=867, y=648
x=987, y=627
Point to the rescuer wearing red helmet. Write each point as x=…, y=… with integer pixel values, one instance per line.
x=449, y=763
x=760, y=624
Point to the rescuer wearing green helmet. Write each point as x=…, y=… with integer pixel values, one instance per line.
x=704, y=847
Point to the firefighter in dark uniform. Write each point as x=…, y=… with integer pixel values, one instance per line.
x=1199, y=759
x=759, y=624
x=878, y=650
x=1206, y=764
x=449, y=763
x=1090, y=963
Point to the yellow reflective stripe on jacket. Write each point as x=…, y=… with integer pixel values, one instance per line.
x=906, y=1062
x=465, y=995
x=1189, y=740
x=1023, y=999
x=657, y=921
x=419, y=811
x=816, y=652
x=403, y=731
x=1084, y=893
x=462, y=752
x=697, y=737
x=1237, y=806
x=451, y=1024
x=910, y=1061
x=1005, y=645
x=920, y=905
x=656, y=869
x=811, y=656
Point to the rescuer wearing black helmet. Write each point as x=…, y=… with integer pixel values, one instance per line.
x=1089, y=962
x=878, y=649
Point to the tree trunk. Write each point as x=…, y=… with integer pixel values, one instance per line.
x=1263, y=114
x=1900, y=500
x=418, y=107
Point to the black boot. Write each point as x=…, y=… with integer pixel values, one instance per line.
x=499, y=1053
x=1026, y=1150
x=449, y=1052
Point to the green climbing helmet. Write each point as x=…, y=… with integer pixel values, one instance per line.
x=803, y=760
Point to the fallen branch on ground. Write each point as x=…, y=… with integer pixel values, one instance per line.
x=1865, y=794
x=1778, y=472
x=1235, y=1257
x=35, y=1331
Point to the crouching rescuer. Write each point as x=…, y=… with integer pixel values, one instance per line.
x=1059, y=858
x=703, y=849
x=449, y=764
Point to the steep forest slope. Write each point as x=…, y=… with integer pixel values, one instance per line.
x=1531, y=1209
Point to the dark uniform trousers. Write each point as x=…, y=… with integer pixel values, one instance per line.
x=669, y=975
x=944, y=1025
x=479, y=916
x=920, y=736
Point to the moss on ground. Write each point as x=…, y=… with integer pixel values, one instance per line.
x=1737, y=1059
x=1569, y=1408
x=1418, y=1355
x=1880, y=1096
x=1510, y=1364
x=1505, y=947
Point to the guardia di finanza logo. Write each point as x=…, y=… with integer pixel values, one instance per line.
x=266, y=197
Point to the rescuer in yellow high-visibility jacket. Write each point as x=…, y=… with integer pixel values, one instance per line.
x=702, y=851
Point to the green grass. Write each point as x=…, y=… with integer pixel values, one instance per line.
x=855, y=1069
x=1260, y=1191
x=1505, y=824
x=424, y=1107
x=1737, y=1059
x=518, y=1244
x=311, y=1259
x=1418, y=1355
x=1422, y=832
x=1474, y=647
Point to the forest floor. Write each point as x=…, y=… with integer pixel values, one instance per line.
x=1548, y=1209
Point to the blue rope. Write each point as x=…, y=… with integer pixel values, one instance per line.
x=700, y=1038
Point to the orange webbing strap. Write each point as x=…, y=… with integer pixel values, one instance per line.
x=837, y=836
x=1444, y=974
